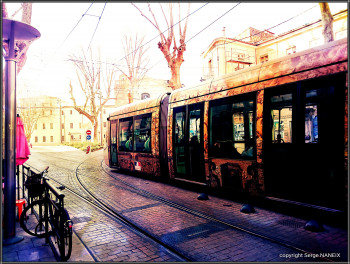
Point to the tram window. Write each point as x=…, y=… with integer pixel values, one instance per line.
x=125, y=135
x=179, y=127
x=195, y=133
x=281, y=114
x=142, y=133
x=311, y=117
x=231, y=129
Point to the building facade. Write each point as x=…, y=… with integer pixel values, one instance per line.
x=52, y=121
x=147, y=88
x=252, y=47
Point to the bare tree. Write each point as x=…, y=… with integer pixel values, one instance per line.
x=172, y=51
x=327, y=22
x=30, y=115
x=136, y=62
x=21, y=46
x=91, y=74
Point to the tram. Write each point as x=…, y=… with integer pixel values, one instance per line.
x=278, y=129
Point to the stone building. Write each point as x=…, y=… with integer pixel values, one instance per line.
x=52, y=121
x=148, y=88
x=226, y=55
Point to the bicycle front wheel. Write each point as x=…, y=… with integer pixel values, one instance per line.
x=32, y=219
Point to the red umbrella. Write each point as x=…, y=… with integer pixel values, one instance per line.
x=22, y=148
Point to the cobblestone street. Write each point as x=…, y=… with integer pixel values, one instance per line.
x=199, y=239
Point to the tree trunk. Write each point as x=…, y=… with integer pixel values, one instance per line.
x=327, y=22
x=175, y=82
x=95, y=132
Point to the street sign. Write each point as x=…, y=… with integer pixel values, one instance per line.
x=88, y=132
x=88, y=137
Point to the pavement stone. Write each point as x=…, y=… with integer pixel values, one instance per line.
x=195, y=234
x=34, y=249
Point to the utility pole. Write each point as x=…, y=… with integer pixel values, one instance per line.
x=100, y=94
x=60, y=114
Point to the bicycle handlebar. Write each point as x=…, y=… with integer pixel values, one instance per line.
x=46, y=169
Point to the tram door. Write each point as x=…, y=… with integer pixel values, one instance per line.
x=113, y=138
x=304, y=141
x=188, y=142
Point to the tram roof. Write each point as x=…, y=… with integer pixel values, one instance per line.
x=138, y=106
x=327, y=54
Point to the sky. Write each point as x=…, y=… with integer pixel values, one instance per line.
x=48, y=71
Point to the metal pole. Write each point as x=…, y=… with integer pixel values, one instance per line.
x=17, y=177
x=9, y=229
x=101, y=117
x=60, y=114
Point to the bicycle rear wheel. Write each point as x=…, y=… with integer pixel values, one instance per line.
x=35, y=224
x=64, y=240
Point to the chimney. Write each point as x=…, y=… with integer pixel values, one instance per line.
x=223, y=32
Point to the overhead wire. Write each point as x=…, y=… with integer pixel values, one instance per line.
x=235, y=40
x=206, y=28
x=152, y=38
x=201, y=31
x=175, y=25
x=73, y=28
x=241, y=38
x=99, y=19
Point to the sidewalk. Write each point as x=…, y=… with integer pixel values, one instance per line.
x=33, y=249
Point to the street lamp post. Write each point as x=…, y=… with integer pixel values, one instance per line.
x=60, y=115
x=12, y=31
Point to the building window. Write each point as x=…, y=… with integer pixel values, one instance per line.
x=62, y=113
x=145, y=96
x=43, y=125
x=264, y=58
x=341, y=34
x=51, y=138
x=62, y=138
x=71, y=111
x=239, y=67
x=232, y=127
x=240, y=56
x=44, y=139
x=50, y=112
x=36, y=139
x=35, y=126
x=71, y=125
x=104, y=124
x=79, y=125
x=62, y=126
x=104, y=111
x=291, y=50
x=51, y=125
x=79, y=136
x=315, y=42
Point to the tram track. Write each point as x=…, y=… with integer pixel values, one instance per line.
x=103, y=207
x=208, y=217
x=111, y=212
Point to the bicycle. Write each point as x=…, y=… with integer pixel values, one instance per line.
x=52, y=219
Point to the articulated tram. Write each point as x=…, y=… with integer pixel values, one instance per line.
x=278, y=129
